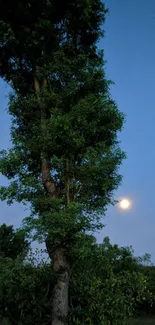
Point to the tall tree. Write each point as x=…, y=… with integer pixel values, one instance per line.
x=65, y=155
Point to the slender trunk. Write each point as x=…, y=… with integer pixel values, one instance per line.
x=47, y=180
x=61, y=270
x=61, y=287
x=67, y=182
x=59, y=259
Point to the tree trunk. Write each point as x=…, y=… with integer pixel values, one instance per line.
x=61, y=286
x=59, y=259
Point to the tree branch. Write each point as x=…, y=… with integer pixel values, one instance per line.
x=67, y=182
x=47, y=180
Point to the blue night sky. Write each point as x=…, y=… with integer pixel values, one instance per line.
x=130, y=51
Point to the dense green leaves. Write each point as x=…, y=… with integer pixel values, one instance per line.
x=31, y=32
x=25, y=292
x=61, y=112
x=12, y=244
x=65, y=152
x=105, y=286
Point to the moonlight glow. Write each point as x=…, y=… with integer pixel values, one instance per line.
x=124, y=204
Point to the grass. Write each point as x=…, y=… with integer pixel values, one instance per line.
x=142, y=321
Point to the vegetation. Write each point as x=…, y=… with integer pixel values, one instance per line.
x=65, y=155
x=142, y=321
x=12, y=243
x=105, y=286
x=64, y=163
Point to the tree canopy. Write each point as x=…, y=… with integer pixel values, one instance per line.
x=64, y=122
x=65, y=151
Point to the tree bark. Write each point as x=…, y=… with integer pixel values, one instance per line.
x=47, y=180
x=61, y=287
x=67, y=183
x=58, y=257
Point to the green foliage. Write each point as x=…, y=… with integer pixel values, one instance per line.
x=102, y=289
x=65, y=156
x=105, y=286
x=77, y=133
x=12, y=243
x=147, y=305
x=25, y=292
x=31, y=32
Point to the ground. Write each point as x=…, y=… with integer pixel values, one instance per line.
x=143, y=321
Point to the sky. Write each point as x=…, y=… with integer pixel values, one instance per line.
x=129, y=47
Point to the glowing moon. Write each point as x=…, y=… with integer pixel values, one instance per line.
x=124, y=204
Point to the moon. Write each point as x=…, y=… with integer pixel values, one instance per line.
x=124, y=204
